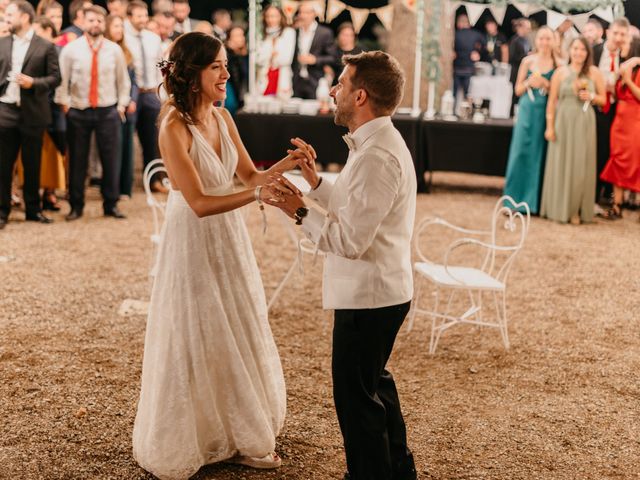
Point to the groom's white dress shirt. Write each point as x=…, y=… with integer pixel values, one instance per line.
x=367, y=231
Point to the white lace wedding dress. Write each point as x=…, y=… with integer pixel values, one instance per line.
x=212, y=382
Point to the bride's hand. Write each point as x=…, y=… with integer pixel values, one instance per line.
x=276, y=191
x=307, y=163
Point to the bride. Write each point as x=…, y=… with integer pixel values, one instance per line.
x=212, y=383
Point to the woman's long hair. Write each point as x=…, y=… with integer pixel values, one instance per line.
x=283, y=20
x=122, y=43
x=584, y=72
x=554, y=50
x=189, y=55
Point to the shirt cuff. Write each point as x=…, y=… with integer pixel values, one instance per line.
x=322, y=193
x=313, y=224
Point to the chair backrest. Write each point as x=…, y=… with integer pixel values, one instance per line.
x=509, y=228
x=146, y=177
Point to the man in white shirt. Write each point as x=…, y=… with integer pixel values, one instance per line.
x=28, y=73
x=181, y=10
x=222, y=22
x=367, y=279
x=146, y=48
x=94, y=94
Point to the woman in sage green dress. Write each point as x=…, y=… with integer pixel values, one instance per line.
x=525, y=167
x=570, y=171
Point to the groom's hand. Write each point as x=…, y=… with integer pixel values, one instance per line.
x=289, y=198
x=306, y=162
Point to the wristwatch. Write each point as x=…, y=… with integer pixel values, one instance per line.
x=300, y=214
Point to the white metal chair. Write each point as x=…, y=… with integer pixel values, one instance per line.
x=499, y=248
x=155, y=203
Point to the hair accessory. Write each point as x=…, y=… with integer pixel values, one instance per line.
x=166, y=67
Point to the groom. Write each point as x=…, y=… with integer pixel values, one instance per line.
x=367, y=274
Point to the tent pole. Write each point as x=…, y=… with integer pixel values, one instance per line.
x=252, y=47
x=417, y=73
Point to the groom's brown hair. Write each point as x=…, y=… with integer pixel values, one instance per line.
x=381, y=76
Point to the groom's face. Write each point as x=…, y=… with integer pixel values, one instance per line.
x=344, y=98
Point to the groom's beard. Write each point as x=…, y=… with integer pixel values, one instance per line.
x=343, y=117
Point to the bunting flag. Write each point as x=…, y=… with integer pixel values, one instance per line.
x=410, y=4
x=555, y=19
x=605, y=13
x=498, y=13
x=319, y=6
x=334, y=8
x=385, y=15
x=580, y=20
x=474, y=11
x=358, y=17
x=523, y=8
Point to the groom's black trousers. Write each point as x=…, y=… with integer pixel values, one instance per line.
x=366, y=400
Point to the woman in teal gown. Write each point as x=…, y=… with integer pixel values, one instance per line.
x=525, y=168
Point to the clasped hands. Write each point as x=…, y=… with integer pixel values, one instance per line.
x=280, y=192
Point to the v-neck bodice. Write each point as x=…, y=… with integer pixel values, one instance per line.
x=216, y=173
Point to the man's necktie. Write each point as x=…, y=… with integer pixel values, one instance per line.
x=93, y=86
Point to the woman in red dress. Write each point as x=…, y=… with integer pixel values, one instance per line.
x=623, y=167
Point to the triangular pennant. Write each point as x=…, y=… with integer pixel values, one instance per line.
x=289, y=7
x=555, y=19
x=358, y=17
x=385, y=15
x=605, y=13
x=410, y=4
x=580, y=20
x=474, y=11
x=319, y=6
x=334, y=8
x=498, y=12
x=523, y=8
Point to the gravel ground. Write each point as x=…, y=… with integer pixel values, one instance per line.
x=562, y=403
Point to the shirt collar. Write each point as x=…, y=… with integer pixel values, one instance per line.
x=312, y=28
x=27, y=37
x=363, y=132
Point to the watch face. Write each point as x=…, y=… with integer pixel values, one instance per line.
x=302, y=211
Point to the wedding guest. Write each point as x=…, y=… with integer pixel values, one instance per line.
x=25, y=111
x=313, y=52
x=114, y=31
x=468, y=46
x=593, y=32
x=117, y=8
x=346, y=44
x=497, y=48
x=54, y=12
x=3, y=5
x=54, y=146
x=275, y=54
x=238, y=66
x=366, y=237
x=152, y=26
x=166, y=30
x=212, y=384
x=204, y=26
x=570, y=171
x=607, y=56
x=94, y=93
x=525, y=166
x=181, y=11
x=76, y=29
x=519, y=47
x=161, y=6
x=221, y=23
x=565, y=34
x=623, y=168
x=146, y=48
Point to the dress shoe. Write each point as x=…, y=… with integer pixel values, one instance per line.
x=38, y=217
x=3, y=222
x=73, y=215
x=115, y=213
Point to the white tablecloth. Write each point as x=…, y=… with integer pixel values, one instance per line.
x=498, y=90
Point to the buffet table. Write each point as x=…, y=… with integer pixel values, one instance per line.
x=463, y=146
x=267, y=137
x=458, y=146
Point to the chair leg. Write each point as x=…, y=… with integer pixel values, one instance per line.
x=282, y=284
x=434, y=336
x=501, y=312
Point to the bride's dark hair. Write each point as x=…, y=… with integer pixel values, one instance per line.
x=190, y=54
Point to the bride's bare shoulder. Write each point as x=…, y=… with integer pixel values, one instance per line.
x=173, y=123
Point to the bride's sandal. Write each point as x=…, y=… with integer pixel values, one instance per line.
x=271, y=460
x=613, y=213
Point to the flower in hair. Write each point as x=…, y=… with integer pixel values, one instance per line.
x=166, y=67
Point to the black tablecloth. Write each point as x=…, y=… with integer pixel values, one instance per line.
x=462, y=146
x=267, y=137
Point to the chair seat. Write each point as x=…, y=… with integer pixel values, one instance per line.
x=458, y=277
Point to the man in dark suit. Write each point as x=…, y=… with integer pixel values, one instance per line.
x=608, y=56
x=28, y=72
x=314, y=46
